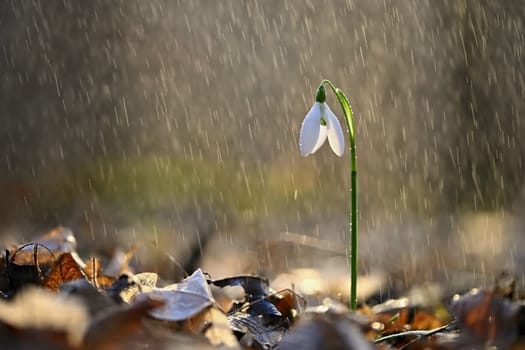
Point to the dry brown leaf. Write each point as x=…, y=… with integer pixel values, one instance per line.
x=127, y=287
x=393, y=322
x=95, y=299
x=104, y=281
x=52, y=315
x=486, y=318
x=48, y=247
x=424, y=321
x=66, y=269
x=93, y=271
x=219, y=332
x=109, y=328
x=290, y=304
x=214, y=325
x=325, y=331
x=28, y=263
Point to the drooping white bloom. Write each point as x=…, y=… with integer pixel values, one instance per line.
x=319, y=124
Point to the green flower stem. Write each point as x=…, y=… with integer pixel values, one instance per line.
x=349, y=118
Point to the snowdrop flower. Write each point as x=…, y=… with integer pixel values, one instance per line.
x=319, y=124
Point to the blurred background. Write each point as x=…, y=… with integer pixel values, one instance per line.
x=176, y=123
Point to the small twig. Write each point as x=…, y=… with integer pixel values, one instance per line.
x=418, y=334
x=94, y=272
x=35, y=257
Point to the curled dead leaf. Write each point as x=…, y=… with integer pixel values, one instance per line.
x=486, y=317
x=183, y=300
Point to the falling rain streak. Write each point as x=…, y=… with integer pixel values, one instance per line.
x=178, y=122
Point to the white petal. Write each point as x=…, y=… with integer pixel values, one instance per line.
x=335, y=133
x=311, y=131
x=321, y=139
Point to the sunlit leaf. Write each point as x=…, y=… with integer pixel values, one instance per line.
x=65, y=269
x=127, y=287
x=93, y=271
x=183, y=300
